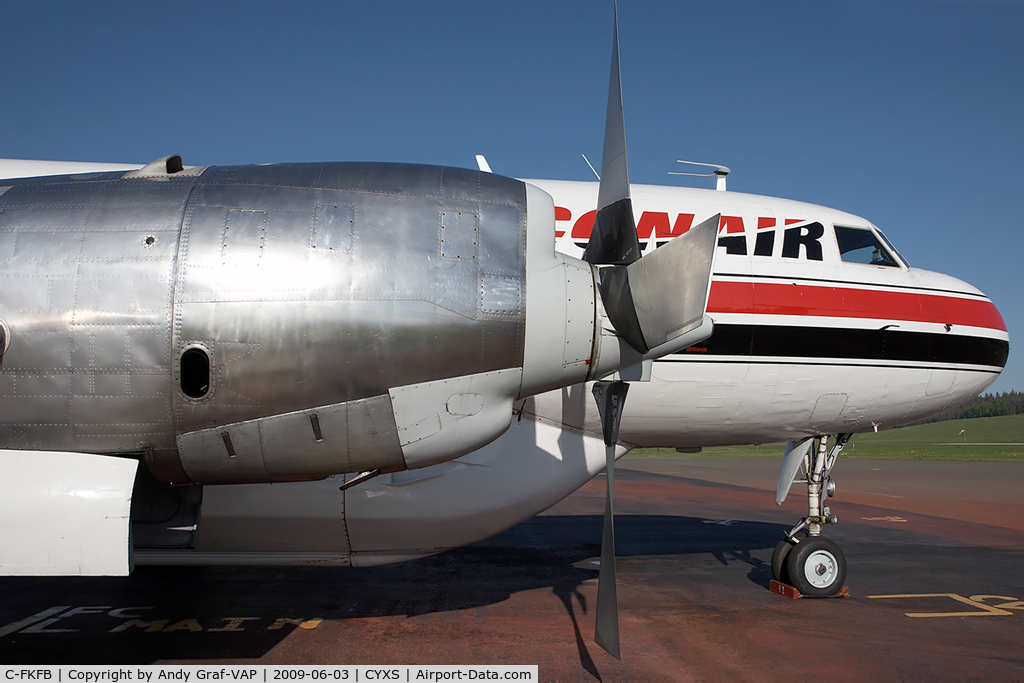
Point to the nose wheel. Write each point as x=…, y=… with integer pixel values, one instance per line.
x=779, y=556
x=811, y=563
x=815, y=566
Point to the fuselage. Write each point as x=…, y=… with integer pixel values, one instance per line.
x=808, y=340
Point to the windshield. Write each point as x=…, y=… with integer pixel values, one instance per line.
x=894, y=249
x=860, y=245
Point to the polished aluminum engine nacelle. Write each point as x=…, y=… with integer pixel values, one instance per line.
x=282, y=322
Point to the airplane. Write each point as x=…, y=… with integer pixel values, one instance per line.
x=187, y=319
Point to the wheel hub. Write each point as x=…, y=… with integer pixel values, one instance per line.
x=821, y=569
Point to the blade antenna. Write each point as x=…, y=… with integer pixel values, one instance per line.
x=720, y=172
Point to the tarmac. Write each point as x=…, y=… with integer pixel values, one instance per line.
x=936, y=576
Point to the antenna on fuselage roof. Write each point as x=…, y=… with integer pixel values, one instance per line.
x=720, y=172
x=482, y=164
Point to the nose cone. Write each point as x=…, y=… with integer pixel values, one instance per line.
x=964, y=311
x=967, y=342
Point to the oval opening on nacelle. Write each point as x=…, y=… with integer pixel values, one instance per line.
x=194, y=372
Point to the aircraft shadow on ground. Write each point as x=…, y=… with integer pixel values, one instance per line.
x=539, y=553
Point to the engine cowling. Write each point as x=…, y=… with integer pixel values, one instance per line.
x=284, y=322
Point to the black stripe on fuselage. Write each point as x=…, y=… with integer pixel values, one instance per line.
x=885, y=344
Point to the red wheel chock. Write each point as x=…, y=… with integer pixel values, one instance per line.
x=785, y=590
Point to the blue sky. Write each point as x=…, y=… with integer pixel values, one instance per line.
x=906, y=112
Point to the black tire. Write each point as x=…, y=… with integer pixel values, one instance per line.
x=816, y=567
x=779, y=556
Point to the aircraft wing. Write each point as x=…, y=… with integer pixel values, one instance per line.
x=32, y=168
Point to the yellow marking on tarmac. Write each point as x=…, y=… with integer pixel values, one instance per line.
x=1012, y=603
x=150, y=626
x=120, y=612
x=307, y=624
x=41, y=627
x=29, y=621
x=887, y=518
x=234, y=624
x=135, y=619
x=280, y=623
x=983, y=610
x=184, y=624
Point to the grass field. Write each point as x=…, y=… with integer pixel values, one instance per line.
x=987, y=439
x=1006, y=429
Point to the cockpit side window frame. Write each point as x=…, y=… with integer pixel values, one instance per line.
x=893, y=260
x=892, y=248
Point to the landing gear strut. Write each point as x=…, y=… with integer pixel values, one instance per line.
x=811, y=563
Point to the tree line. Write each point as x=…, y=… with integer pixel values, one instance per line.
x=986, y=405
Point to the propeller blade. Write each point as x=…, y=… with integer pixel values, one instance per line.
x=610, y=396
x=663, y=295
x=655, y=299
x=613, y=240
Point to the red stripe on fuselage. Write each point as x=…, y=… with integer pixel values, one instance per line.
x=769, y=298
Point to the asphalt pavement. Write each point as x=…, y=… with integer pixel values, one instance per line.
x=935, y=553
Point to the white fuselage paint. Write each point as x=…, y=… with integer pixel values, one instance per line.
x=699, y=399
x=694, y=399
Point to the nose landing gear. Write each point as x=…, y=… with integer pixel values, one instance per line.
x=811, y=563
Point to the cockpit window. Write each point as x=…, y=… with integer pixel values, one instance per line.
x=892, y=247
x=859, y=245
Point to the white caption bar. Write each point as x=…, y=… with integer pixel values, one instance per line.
x=265, y=673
